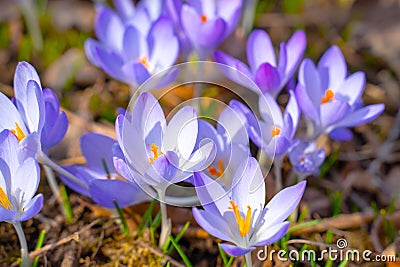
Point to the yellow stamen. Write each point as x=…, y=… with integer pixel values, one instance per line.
x=217, y=172
x=4, y=201
x=203, y=18
x=275, y=131
x=243, y=224
x=155, y=150
x=144, y=61
x=329, y=95
x=18, y=132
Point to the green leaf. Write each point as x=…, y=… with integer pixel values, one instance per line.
x=39, y=244
x=125, y=228
x=180, y=251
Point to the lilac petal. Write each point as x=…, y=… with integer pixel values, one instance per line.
x=200, y=158
x=309, y=78
x=306, y=105
x=230, y=11
x=134, y=44
x=181, y=132
x=9, y=115
x=332, y=67
x=260, y=50
x=212, y=33
x=270, y=234
x=341, y=134
x=147, y=113
x=235, y=250
x=34, y=109
x=91, y=47
x=97, y=150
x=164, y=169
x=32, y=208
x=206, y=133
x=208, y=8
x=293, y=110
x=57, y=132
x=9, y=154
x=235, y=70
x=105, y=192
x=268, y=79
x=211, y=194
x=230, y=123
x=111, y=63
x=80, y=172
x=29, y=146
x=362, y=116
x=270, y=110
x=135, y=73
x=295, y=48
x=282, y=64
x=23, y=74
x=26, y=180
x=109, y=28
x=283, y=203
x=213, y=224
x=248, y=187
x=162, y=38
x=124, y=7
x=7, y=215
x=333, y=112
x=351, y=89
x=277, y=147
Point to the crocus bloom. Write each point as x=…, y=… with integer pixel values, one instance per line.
x=208, y=22
x=19, y=180
x=330, y=98
x=104, y=183
x=128, y=51
x=161, y=154
x=305, y=157
x=240, y=216
x=231, y=142
x=268, y=74
x=33, y=115
x=275, y=131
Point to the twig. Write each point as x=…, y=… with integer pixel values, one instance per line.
x=159, y=253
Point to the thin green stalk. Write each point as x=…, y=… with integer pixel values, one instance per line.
x=178, y=237
x=25, y=260
x=278, y=175
x=124, y=226
x=180, y=251
x=165, y=221
x=67, y=205
x=248, y=259
x=39, y=244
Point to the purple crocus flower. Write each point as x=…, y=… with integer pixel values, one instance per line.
x=240, y=216
x=161, y=154
x=305, y=157
x=268, y=74
x=33, y=115
x=104, y=183
x=131, y=51
x=19, y=180
x=208, y=22
x=231, y=142
x=274, y=132
x=331, y=99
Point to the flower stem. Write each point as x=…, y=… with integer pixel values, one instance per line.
x=25, y=260
x=248, y=259
x=29, y=11
x=248, y=15
x=165, y=221
x=51, y=179
x=278, y=175
x=45, y=160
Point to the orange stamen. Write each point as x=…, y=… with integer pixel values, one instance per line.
x=203, y=18
x=217, y=172
x=329, y=95
x=275, y=131
x=144, y=61
x=244, y=224
x=4, y=201
x=155, y=150
x=18, y=132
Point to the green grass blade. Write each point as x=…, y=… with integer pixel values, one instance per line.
x=178, y=237
x=67, y=205
x=180, y=251
x=146, y=216
x=125, y=228
x=39, y=244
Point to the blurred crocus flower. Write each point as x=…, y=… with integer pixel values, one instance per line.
x=231, y=142
x=265, y=71
x=208, y=22
x=240, y=216
x=306, y=158
x=331, y=99
x=274, y=132
x=131, y=50
x=104, y=184
x=19, y=180
x=161, y=154
x=34, y=115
